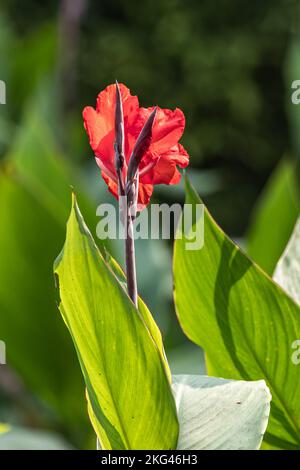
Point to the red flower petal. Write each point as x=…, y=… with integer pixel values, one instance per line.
x=167, y=128
x=95, y=126
x=165, y=171
x=179, y=155
x=145, y=193
x=159, y=164
x=106, y=103
x=100, y=123
x=111, y=184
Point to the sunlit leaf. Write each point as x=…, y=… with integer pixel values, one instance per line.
x=244, y=321
x=143, y=309
x=130, y=400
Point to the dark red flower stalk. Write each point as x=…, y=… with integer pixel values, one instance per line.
x=135, y=148
x=119, y=142
x=141, y=147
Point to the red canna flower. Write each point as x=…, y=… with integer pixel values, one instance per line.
x=160, y=158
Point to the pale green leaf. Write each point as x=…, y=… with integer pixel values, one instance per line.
x=18, y=438
x=218, y=414
x=287, y=273
x=243, y=320
x=130, y=400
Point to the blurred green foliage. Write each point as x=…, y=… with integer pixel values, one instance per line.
x=274, y=217
x=229, y=67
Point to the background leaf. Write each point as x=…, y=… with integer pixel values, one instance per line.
x=240, y=317
x=130, y=400
x=274, y=216
x=218, y=414
x=18, y=438
x=34, y=189
x=4, y=428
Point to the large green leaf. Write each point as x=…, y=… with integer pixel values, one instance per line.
x=143, y=309
x=274, y=216
x=130, y=399
x=243, y=320
x=218, y=414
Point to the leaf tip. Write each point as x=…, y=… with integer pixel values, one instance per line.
x=190, y=192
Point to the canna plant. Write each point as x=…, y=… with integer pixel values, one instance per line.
x=133, y=400
x=135, y=148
